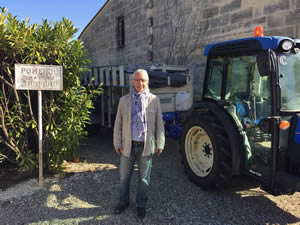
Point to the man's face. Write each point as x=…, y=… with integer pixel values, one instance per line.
x=140, y=82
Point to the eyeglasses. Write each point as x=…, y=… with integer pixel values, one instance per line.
x=141, y=80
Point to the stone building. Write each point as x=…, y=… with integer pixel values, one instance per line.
x=175, y=31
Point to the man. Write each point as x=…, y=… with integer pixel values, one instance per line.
x=138, y=134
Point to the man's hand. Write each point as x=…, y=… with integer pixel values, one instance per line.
x=119, y=151
x=158, y=151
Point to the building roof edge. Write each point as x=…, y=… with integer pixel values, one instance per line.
x=93, y=19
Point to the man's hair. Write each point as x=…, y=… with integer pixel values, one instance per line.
x=141, y=71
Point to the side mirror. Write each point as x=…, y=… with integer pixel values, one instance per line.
x=263, y=63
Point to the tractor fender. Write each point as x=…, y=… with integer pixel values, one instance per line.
x=231, y=130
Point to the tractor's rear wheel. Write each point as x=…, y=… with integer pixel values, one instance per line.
x=206, y=151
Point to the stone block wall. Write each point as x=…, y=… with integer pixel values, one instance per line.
x=100, y=36
x=147, y=27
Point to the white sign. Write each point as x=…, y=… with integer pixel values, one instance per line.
x=38, y=77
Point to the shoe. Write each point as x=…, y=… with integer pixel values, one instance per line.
x=120, y=208
x=141, y=212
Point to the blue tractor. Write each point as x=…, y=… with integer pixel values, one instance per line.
x=248, y=120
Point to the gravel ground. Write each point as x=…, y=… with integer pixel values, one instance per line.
x=90, y=194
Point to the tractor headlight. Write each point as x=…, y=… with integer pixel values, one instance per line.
x=287, y=45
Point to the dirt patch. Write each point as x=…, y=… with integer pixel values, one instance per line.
x=71, y=167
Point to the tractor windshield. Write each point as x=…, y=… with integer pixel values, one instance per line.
x=289, y=70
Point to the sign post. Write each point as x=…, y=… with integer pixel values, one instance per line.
x=39, y=77
x=40, y=106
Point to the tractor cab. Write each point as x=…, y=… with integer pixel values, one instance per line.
x=257, y=82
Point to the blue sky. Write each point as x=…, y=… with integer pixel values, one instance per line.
x=80, y=12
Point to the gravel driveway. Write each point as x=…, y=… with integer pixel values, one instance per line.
x=89, y=197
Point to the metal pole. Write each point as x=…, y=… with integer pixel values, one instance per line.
x=40, y=138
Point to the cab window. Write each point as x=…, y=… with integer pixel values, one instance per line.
x=214, y=81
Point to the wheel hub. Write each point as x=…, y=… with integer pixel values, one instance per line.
x=207, y=150
x=199, y=151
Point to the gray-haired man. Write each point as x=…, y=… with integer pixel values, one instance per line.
x=138, y=134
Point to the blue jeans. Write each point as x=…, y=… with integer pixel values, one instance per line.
x=144, y=172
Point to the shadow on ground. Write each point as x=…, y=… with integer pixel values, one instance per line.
x=89, y=198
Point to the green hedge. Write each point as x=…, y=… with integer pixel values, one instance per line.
x=65, y=113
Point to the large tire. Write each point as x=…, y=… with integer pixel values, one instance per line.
x=205, y=151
